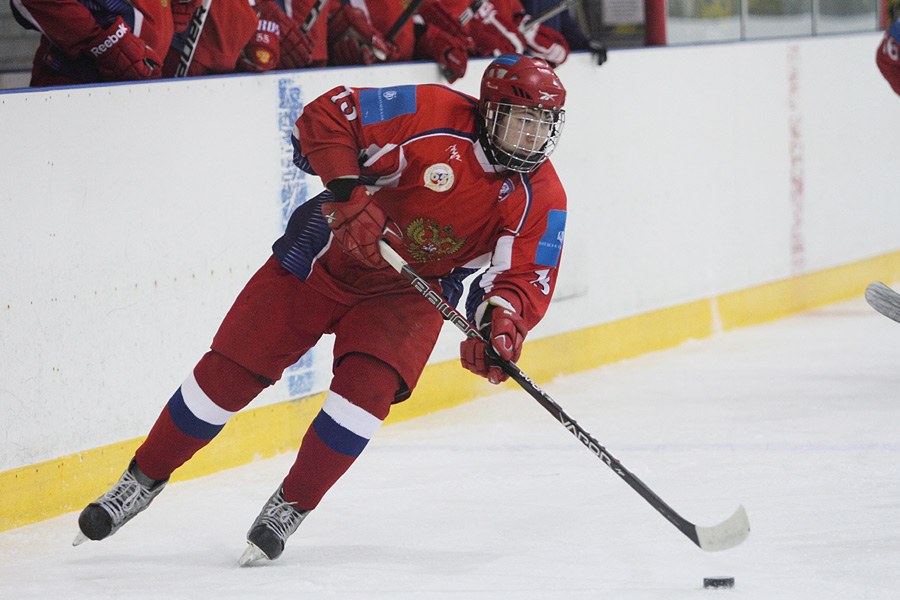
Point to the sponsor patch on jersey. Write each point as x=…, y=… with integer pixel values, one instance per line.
x=429, y=241
x=550, y=246
x=505, y=190
x=377, y=105
x=439, y=177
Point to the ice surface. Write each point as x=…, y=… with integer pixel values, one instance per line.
x=798, y=420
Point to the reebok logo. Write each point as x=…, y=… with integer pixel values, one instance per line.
x=110, y=41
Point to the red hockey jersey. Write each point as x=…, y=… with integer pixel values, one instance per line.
x=419, y=149
x=888, y=57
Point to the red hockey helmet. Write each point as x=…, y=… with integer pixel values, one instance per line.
x=522, y=105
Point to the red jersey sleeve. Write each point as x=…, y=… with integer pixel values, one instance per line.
x=888, y=57
x=229, y=27
x=71, y=26
x=66, y=23
x=328, y=132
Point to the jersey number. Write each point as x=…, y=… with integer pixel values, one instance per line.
x=345, y=105
x=891, y=49
x=543, y=281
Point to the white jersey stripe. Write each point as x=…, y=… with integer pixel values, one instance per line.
x=501, y=261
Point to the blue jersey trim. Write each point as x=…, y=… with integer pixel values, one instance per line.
x=894, y=31
x=377, y=105
x=466, y=135
x=305, y=237
x=529, y=199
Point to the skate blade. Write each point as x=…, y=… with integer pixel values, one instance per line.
x=79, y=539
x=252, y=556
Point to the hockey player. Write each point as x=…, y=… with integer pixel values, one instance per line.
x=888, y=57
x=88, y=41
x=456, y=185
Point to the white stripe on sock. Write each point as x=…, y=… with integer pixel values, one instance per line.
x=200, y=404
x=350, y=416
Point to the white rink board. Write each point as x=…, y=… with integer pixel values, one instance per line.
x=133, y=214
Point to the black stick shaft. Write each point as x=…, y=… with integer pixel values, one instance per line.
x=313, y=15
x=509, y=367
x=195, y=28
x=401, y=20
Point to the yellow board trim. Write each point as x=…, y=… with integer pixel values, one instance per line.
x=55, y=487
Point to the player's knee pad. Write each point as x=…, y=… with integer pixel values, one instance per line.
x=368, y=382
x=228, y=384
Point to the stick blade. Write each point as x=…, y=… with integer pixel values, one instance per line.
x=727, y=534
x=884, y=300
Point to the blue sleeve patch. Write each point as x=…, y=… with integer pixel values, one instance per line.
x=551, y=243
x=895, y=30
x=383, y=104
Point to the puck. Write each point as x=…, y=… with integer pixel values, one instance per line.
x=718, y=582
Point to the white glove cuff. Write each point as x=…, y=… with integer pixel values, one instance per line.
x=492, y=301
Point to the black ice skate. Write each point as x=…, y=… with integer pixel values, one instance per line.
x=271, y=529
x=132, y=493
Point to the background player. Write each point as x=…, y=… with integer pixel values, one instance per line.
x=89, y=41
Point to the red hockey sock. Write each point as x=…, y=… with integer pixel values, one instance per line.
x=198, y=410
x=359, y=400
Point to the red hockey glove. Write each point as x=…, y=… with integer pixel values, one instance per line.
x=294, y=47
x=182, y=11
x=543, y=42
x=436, y=16
x=446, y=50
x=504, y=329
x=122, y=56
x=358, y=225
x=494, y=34
x=263, y=51
x=353, y=41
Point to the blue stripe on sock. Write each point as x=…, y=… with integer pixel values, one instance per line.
x=189, y=423
x=339, y=439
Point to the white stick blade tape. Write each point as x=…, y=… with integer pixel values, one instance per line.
x=727, y=534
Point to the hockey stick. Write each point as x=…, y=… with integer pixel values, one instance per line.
x=470, y=11
x=397, y=26
x=727, y=534
x=402, y=19
x=884, y=300
x=313, y=15
x=544, y=16
x=195, y=28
